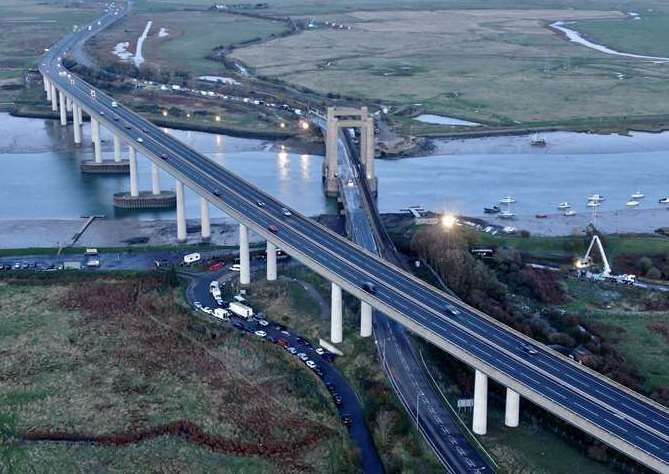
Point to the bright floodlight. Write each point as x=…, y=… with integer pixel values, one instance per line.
x=218, y=118
x=304, y=125
x=448, y=221
x=164, y=113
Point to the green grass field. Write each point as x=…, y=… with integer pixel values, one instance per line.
x=117, y=356
x=192, y=36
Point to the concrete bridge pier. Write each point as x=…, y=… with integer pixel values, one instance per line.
x=181, y=212
x=331, y=161
x=155, y=179
x=271, y=261
x=132, y=159
x=336, y=317
x=68, y=103
x=244, y=256
x=117, y=148
x=54, y=98
x=76, y=122
x=81, y=116
x=365, y=319
x=512, y=411
x=368, y=153
x=62, y=107
x=480, y=421
x=97, y=143
x=205, y=224
x=47, y=88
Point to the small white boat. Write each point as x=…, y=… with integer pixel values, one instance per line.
x=569, y=213
x=507, y=200
x=664, y=200
x=596, y=198
x=506, y=215
x=637, y=195
x=632, y=203
x=564, y=205
x=594, y=204
x=537, y=140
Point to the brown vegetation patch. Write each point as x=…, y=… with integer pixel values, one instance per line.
x=661, y=328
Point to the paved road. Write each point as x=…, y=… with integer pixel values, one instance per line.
x=619, y=417
x=331, y=376
x=407, y=374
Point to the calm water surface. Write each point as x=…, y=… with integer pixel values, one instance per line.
x=40, y=175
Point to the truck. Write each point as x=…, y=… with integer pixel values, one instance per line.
x=220, y=313
x=90, y=252
x=241, y=310
x=215, y=290
x=192, y=258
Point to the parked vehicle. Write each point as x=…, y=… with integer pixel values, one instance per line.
x=241, y=310
x=192, y=258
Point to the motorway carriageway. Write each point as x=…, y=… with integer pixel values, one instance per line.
x=605, y=405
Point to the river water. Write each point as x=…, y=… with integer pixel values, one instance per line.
x=40, y=175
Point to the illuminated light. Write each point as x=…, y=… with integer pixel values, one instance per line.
x=282, y=125
x=164, y=113
x=305, y=125
x=218, y=118
x=448, y=221
x=188, y=115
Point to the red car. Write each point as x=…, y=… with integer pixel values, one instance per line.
x=214, y=267
x=283, y=343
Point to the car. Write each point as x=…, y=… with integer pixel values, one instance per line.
x=292, y=350
x=216, y=192
x=529, y=349
x=320, y=351
x=283, y=343
x=163, y=156
x=260, y=203
x=369, y=287
x=128, y=127
x=303, y=356
x=260, y=333
x=452, y=310
x=114, y=104
x=273, y=229
x=350, y=182
x=140, y=140
x=286, y=212
x=116, y=118
x=145, y=130
x=330, y=386
x=311, y=364
x=337, y=398
x=102, y=112
x=16, y=266
x=347, y=420
x=263, y=322
x=236, y=267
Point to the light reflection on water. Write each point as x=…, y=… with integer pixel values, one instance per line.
x=41, y=177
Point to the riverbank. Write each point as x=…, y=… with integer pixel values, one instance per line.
x=623, y=221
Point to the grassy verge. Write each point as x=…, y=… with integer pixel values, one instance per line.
x=118, y=360
x=400, y=447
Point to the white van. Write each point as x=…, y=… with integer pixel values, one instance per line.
x=192, y=258
x=236, y=267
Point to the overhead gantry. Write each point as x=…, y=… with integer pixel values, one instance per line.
x=348, y=117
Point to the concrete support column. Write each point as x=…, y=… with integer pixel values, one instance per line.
x=331, y=155
x=205, y=225
x=95, y=136
x=134, y=187
x=368, y=153
x=271, y=261
x=81, y=116
x=68, y=104
x=77, y=124
x=117, y=148
x=336, y=318
x=512, y=411
x=47, y=88
x=244, y=256
x=155, y=179
x=480, y=422
x=181, y=212
x=365, y=319
x=63, y=108
x=54, y=98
